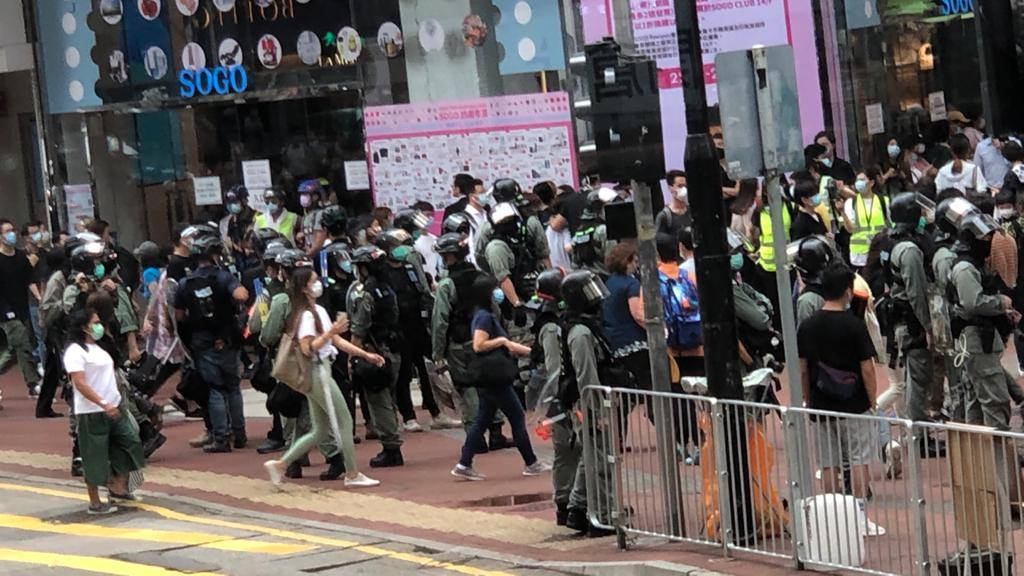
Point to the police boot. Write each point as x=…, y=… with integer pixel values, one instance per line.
x=561, y=514
x=388, y=458
x=335, y=469
x=498, y=440
x=151, y=439
x=293, y=471
x=576, y=518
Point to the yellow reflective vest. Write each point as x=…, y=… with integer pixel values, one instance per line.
x=766, y=251
x=866, y=225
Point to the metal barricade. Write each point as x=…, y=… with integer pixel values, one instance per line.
x=856, y=492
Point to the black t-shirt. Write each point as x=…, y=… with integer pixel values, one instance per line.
x=17, y=274
x=668, y=222
x=840, y=340
x=178, y=267
x=41, y=272
x=573, y=205
x=805, y=225
x=841, y=170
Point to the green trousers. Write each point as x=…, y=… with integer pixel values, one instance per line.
x=568, y=453
x=20, y=343
x=108, y=446
x=382, y=406
x=324, y=395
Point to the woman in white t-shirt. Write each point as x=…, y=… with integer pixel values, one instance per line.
x=107, y=439
x=959, y=173
x=320, y=339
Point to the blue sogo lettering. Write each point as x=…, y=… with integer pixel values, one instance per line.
x=219, y=80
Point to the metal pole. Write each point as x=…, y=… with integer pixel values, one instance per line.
x=647, y=256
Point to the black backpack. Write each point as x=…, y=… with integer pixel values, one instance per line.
x=210, y=307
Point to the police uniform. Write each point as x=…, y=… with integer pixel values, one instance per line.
x=451, y=339
x=590, y=244
x=953, y=401
x=567, y=444
x=412, y=291
x=909, y=290
x=535, y=236
x=373, y=316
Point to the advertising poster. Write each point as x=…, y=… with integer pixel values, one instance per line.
x=357, y=175
x=78, y=200
x=415, y=150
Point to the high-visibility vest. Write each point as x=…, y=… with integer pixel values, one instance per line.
x=285, y=226
x=866, y=225
x=766, y=252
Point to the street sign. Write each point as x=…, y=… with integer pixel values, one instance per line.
x=741, y=124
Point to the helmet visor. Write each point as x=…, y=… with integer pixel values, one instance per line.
x=595, y=290
x=927, y=206
x=960, y=209
x=979, y=225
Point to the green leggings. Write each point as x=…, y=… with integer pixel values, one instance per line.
x=324, y=391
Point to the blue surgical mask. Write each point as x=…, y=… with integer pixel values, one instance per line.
x=36, y=237
x=497, y=296
x=273, y=206
x=99, y=270
x=816, y=200
x=736, y=262
x=861, y=185
x=346, y=267
x=10, y=238
x=826, y=162
x=235, y=208
x=921, y=223
x=893, y=150
x=400, y=253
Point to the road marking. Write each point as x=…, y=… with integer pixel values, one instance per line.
x=169, y=514
x=216, y=541
x=90, y=564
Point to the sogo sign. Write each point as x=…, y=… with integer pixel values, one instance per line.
x=206, y=81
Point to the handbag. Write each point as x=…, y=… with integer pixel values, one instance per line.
x=285, y=401
x=837, y=384
x=192, y=386
x=292, y=367
x=372, y=378
x=493, y=369
x=261, y=379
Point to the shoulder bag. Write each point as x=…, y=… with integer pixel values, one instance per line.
x=292, y=367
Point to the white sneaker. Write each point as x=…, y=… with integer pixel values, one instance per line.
x=361, y=481
x=40, y=371
x=444, y=421
x=873, y=529
x=412, y=426
x=467, y=473
x=536, y=469
x=34, y=391
x=276, y=478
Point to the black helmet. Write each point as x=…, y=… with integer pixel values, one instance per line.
x=337, y=256
x=334, y=219
x=273, y=249
x=811, y=255
x=508, y=190
x=237, y=193
x=453, y=243
x=190, y=235
x=261, y=237
x=368, y=254
x=392, y=238
x=457, y=222
x=905, y=212
x=583, y=291
x=947, y=215
x=293, y=258
x=208, y=245
x=85, y=255
x=411, y=220
x=549, y=285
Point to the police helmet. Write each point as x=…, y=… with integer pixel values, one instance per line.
x=335, y=220
x=904, y=211
x=338, y=258
x=508, y=190
x=85, y=255
x=811, y=255
x=311, y=187
x=948, y=213
x=292, y=259
x=596, y=199
x=453, y=243
x=583, y=291
x=260, y=237
x=549, y=285
x=273, y=249
x=978, y=226
x=208, y=245
x=411, y=220
x=368, y=254
x=504, y=213
x=190, y=235
x=237, y=193
x=392, y=238
x=457, y=222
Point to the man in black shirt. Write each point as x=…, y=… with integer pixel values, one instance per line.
x=833, y=165
x=573, y=204
x=462, y=187
x=807, y=221
x=18, y=277
x=838, y=374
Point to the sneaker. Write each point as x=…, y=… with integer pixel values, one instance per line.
x=270, y=446
x=40, y=370
x=129, y=497
x=274, y=472
x=444, y=422
x=361, y=481
x=412, y=426
x=536, y=469
x=33, y=391
x=873, y=529
x=102, y=509
x=467, y=473
x=217, y=448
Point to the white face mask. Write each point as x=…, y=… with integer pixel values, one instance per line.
x=1005, y=213
x=317, y=290
x=682, y=193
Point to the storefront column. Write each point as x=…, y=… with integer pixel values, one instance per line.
x=1001, y=82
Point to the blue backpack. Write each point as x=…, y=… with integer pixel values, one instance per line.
x=682, y=311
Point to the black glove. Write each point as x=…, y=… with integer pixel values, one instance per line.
x=519, y=316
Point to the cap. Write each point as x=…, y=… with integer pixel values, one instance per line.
x=958, y=117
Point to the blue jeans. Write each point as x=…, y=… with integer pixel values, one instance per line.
x=37, y=329
x=492, y=400
x=219, y=369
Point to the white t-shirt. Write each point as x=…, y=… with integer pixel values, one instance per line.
x=425, y=246
x=478, y=218
x=557, y=241
x=307, y=327
x=968, y=177
x=98, y=367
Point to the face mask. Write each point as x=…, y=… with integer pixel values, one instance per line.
x=498, y=296
x=736, y=262
x=485, y=199
x=921, y=223
x=400, y=253
x=99, y=270
x=235, y=208
x=416, y=234
x=894, y=150
x=317, y=290
x=346, y=267
x=96, y=331
x=682, y=193
x=37, y=237
x=273, y=206
x=826, y=162
x=919, y=148
x=1005, y=213
x=305, y=200
x=861, y=185
x=816, y=200
x=10, y=238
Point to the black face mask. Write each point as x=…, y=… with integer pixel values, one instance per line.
x=981, y=249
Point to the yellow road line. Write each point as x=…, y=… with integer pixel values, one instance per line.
x=90, y=564
x=216, y=541
x=288, y=534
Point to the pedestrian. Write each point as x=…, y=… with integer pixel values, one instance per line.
x=237, y=222
x=53, y=320
x=19, y=280
x=493, y=347
x=960, y=173
x=425, y=240
x=623, y=321
x=277, y=215
x=320, y=340
x=990, y=159
x=558, y=235
x=742, y=208
x=676, y=214
x=1013, y=181
x=808, y=220
x=108, y=441
x=867, y=213
x=462, y=188
x=832, y=165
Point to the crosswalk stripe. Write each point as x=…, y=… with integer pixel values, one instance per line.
x=215, y=541
x=90, y=564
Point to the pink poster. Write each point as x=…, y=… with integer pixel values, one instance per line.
x=726, y=26
x=597, y=20
x=415, y=150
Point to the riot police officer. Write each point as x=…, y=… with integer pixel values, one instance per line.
x=506, y=190
x=312, y=197
x=208, y=301
x=583, y=353
x=590, y=240
x=906, y=272
x=811, y=255
x=947, y=214
x=451, y=319
x=374, y=316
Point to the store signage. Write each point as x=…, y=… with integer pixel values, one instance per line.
x=948, y=7
x=206, y=81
